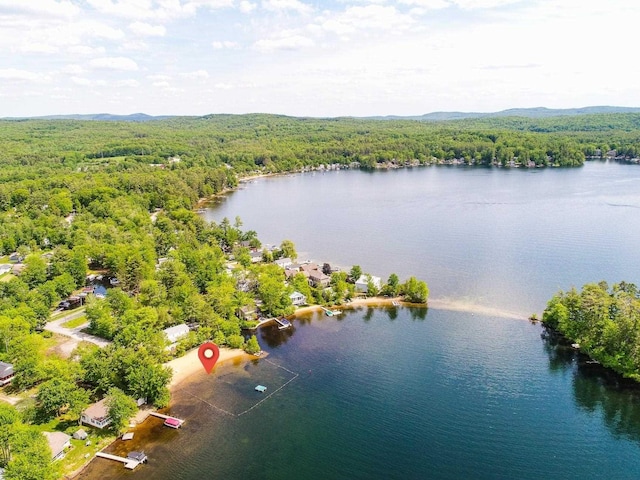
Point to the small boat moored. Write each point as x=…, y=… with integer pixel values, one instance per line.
x=172, y=422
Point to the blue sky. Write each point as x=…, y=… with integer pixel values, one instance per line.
x=315, y=58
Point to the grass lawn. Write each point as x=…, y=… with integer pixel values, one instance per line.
x=5, y=277
x=76, y=322
x=79, y=453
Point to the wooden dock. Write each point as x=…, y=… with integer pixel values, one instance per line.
x=283, y=323
x=128, y=462
x=161, y=415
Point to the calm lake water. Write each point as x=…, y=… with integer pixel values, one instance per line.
x=410, y=393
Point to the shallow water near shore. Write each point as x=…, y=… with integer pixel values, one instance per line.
x=399, y=393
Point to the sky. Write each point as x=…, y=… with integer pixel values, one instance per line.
x=320, y=58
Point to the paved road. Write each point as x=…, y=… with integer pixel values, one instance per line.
x=75, y=333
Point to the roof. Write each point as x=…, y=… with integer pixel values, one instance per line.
x=177, y=330
x=6, y=369
x=97, y=410
x=296, y=294
x=56, y=441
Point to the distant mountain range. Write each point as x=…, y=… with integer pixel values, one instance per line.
x=537, y=112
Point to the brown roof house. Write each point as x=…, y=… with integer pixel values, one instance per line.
x=96, y=415
x=6, y=373
x=58, y=443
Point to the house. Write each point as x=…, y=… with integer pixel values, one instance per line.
x=298, y=299
x=6, y=373
x=176, y=332
x=96, y=415
x=80, y=435
x=362, y=284
x=248, y=312
x=256, y=257
x=318, y=279
x=284, y=262
x=5, y=268
x=58, y=443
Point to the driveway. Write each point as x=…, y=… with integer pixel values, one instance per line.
x=75, y=333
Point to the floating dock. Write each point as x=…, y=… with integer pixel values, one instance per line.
x=129, y=463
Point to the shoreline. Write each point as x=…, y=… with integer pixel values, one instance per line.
x=189, y=364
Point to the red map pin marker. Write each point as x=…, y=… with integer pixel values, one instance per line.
x=208, y=354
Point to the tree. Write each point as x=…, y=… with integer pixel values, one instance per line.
x=35, y=271
x=355, y=273
x=415, y=291
x=9, y=416
x=288, y=250
x=252, y=346
x=30, y=455
x=120, y=408
x=391, y=288
x=149, y=380
x=58, y=394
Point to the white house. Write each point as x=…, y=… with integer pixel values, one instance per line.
x=6, y=373
x=298, y=299
x=284, y=262
x=96, y=415
x=176, y=332
x=58, y=443
x=362, y=285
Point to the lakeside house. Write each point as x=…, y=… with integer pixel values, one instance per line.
x=96, y=415
x=58, y=443
x=6, y=373
x=247, y=312
x=298, y=299
x=284, y=262
x=176, y=332
x=362, y=284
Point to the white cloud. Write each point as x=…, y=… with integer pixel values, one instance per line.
x=198, y=74
x=375, y=18
x=283, y=5
x=114, y=63
x=162, y=84
x=427, y=4
x=85, y=82
x=247, y=7
x=218, y=45
x=86, y=50
x=29, y=47
x=73, y=69
x=479, y=4
x=129, y=82
x=223, y=86
x=293, y=42
x=159, y=77
x=147, y=30
x=41, y=7
x=17, y=74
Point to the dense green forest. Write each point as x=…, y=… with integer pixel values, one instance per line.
x=603, y=321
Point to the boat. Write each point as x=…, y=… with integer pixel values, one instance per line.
x=260, y=388
x=172, y=422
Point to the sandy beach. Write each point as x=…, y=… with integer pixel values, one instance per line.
x=189, y=364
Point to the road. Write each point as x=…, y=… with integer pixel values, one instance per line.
x=75, y=333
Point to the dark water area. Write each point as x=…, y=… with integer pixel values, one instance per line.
x=414, y=393
x=395, y=393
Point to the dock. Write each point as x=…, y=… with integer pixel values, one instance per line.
x=129, y=463
x=166, y=417
x=330, y=313
x=283, y=323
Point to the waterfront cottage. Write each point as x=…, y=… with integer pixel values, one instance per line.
x=298, y=299
x=96, y=415
x=176, y=332
x=362, y=285
x=58, y=443
x=6, y=373
x=318, y=279
x=284, y=262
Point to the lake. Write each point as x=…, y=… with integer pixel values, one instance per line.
x=417, y=393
